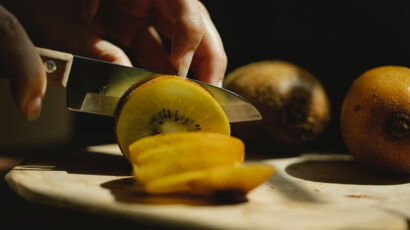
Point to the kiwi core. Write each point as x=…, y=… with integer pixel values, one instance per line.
x=170, y=121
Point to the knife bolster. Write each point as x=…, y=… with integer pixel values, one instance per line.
x=57, y=65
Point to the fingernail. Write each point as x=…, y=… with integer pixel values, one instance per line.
x=219, y=84
x=185, y=63
x=33, y=109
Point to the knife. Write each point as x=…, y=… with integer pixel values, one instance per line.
x=95, y=86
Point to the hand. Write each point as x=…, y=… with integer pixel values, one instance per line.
x=81, y=27
x=20, y=63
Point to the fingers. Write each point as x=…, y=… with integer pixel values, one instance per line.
x=87, y=36
x=122, y=20
x=89, y=45
x=185, y=22
x=20, y=62
x=210, y=62
x=106, y=51
x=150, y=52
x=193, y=36
x=187, y=33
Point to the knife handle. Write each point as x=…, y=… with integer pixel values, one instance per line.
x=57, y=66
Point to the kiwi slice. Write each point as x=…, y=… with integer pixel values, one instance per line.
x=229, y=180
x=161, y=155
x=167, y=104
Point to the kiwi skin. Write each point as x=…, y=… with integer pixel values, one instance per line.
x=127, y=93
x=293, y=104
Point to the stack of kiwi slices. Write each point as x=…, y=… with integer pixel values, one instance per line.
x=177, y=137
x=196, y=163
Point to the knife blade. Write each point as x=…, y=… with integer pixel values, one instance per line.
x=95, y=86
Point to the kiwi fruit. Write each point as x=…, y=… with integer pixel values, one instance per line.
x=228, y=181
x=375, y=119
x=195, y=163
x=166, y=154
x=167, y=104
x=293, y=104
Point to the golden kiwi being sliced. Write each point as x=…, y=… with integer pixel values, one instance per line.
x=167, y=104
x=177, y=138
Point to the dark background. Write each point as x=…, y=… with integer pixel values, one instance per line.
x=336, y=41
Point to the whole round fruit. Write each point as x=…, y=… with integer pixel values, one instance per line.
x=375, y=119
x=293, y=104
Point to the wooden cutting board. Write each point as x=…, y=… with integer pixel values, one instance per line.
x=311, y=191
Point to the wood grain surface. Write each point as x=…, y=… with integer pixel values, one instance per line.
x=310, y=191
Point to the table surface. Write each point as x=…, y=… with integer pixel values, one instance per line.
x=318, y=190
x=18, y=213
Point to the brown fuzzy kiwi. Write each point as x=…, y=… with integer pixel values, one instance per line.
x=293, y=103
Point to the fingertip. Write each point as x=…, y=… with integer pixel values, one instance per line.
x=32, y=108
x=185, y=63
x=219, y=84
x=107, y=51
x=185, y=42
x=115, y=57
x=21, y=63
x=210, y=69
x=29, y=87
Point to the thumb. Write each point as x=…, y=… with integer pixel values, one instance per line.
x=20, y=62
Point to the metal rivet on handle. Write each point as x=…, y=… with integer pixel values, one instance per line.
x=50, y=66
